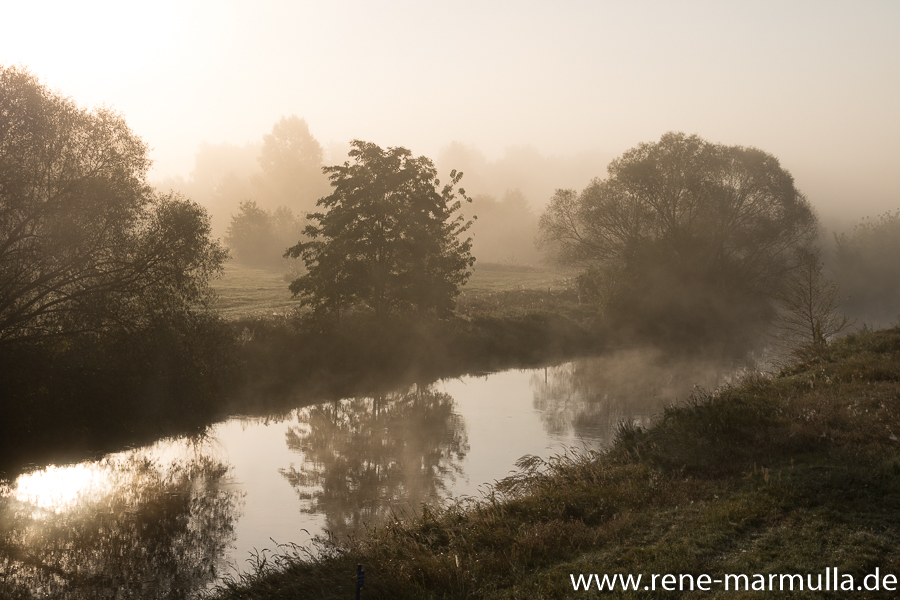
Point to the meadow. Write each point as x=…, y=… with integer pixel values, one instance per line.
x=248, y=292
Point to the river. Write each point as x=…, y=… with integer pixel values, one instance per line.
x=169, y=519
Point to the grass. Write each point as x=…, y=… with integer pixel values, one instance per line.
x=248, y=292
x=495, y=277
x=72, y=400
x=787, y=474
x=292, y=360
x=507, y=316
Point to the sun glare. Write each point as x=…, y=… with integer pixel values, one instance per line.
x=57, y=489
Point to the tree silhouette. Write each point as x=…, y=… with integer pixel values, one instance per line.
x=389, y=239
x=259, y=237
x=684, y=238
x=291, y=160
x=86, y=246
x=809, y=316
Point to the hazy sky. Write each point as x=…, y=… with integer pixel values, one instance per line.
x=815, y=83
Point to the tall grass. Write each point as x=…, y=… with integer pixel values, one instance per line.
x=785, y=474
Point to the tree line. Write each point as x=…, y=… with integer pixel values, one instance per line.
x=105, y=302
x=106, y=280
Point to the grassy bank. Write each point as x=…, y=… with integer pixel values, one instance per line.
x=289, y=361
x=90, y=395
x=506, y=317
x=790, y=474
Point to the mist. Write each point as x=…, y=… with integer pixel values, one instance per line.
x=123, y=321
x=810, y=83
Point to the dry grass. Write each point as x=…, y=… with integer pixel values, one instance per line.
x=789, y=474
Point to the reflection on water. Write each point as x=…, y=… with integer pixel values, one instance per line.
x=588, y=398
x=119, y=528
x=364, y=457
x=57, y=489
x=166, y=521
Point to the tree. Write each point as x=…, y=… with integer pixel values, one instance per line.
x=291, y=160
x=259, y=237
x=684, y=237
x=505, y=229
x=86, y=246
x=222, y=176
x=809, y=316
x=388, y=240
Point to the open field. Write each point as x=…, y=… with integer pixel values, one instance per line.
x=493, y=277
x=251, y=292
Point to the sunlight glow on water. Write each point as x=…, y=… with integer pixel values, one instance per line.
x=56, y=489
x=182, y=513
x=60, y=488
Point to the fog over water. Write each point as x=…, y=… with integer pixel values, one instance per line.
x=173, y=517
x=553, y=90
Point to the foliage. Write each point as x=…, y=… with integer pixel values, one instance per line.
x=867, y=267
x=388, y=241
x=86, y=246
x=284, y=169
x=259, y=237
x=684, y=237
x=105, y=332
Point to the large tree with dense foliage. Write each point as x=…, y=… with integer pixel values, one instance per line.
x=389, y=238
x=86, y=246
x=683, y=236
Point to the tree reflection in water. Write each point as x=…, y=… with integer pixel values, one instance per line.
x=589, y=397
x=136, y=529
x=364, y=457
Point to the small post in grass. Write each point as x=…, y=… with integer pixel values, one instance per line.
x=360, y=579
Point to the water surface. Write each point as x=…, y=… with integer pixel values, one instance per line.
x=169, y=519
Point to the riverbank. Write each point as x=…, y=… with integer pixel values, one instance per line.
x=83, y=398
x=88, y=395
x=792, y=474
x=291, y=361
